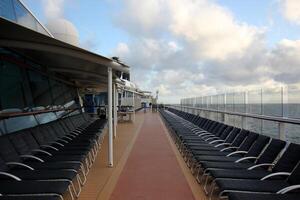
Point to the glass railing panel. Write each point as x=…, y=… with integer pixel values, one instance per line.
x=272, y=102
x=45, y=118
x=221, y=101
x=254, y=102
x=254, y=125
x=292, y=133
x=239, y=102
x=214, y=102
x=270, y=128
x=293, y=100
x=229, y=102
x=19, y=123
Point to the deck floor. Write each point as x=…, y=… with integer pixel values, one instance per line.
x=147, y=165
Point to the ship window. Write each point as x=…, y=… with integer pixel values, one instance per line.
x=45, y=117
x=19, y=123
x=2, y=129
x=11, y=87
x=40, y=89
x=58, y=91
x=24, y=17
x=7, y=10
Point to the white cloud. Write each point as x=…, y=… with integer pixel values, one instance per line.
x=190, y=48
x=210, y=29
x=291, y=10
x=285, y=61
x=53, y=8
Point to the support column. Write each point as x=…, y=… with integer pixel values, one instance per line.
x=133, y=101
x=110, y=127
x=115, y=110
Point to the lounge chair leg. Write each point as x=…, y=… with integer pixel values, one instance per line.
x=205, y=184
x=212, y=190
x=70, y=192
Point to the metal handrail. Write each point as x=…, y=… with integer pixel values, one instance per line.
x=255, y=116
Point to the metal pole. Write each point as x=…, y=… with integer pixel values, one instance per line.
x=115, y=110
x=133, y=102
x=110, y=128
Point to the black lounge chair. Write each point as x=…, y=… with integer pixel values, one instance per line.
x=31, y=197
x=259, y=196
x=261, y=186
x=259, y=169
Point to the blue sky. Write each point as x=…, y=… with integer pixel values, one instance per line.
x=186, y=47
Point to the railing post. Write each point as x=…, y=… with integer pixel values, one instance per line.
x=282, y=134
x=284, y=109
x=110, y=125
x=244, y=119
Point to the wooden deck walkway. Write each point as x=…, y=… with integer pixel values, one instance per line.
x=147, y=166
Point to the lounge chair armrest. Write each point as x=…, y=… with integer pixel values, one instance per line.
x=275, y=174
x=245, y=158
x=215, y=141
x=10, y=176
x=211, y=138
x=202, y=133
x=62, y=140
x=236, y=152
x=288, y=189
x=67, y=137
x=207, y=136
x=19, y=164
x=75, y=133
x=33, y=157
x=42, y=151
x=58, y=143
x=50, y=147
x=71, y=135
x=227, y=148
x=260, y=165
x=222, y=144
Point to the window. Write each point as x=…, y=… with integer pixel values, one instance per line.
x=57, y=90
x=40, y=89
x=19, y=123
x=7, y=10
x=11, y=87
x=24, y=17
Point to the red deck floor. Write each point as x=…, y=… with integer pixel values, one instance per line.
x=152, y=171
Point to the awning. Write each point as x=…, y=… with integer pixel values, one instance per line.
x=80, y=66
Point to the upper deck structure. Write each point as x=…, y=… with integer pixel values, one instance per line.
x=61, y=136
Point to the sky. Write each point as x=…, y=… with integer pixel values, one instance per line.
x=187, y=48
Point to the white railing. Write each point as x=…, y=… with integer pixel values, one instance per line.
x=244, y=117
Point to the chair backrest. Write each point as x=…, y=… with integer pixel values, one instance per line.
x=271, y=152
x=235, y=131
x=7, y=151
x=248, y=142
x=258, y=146
x=288, y=159
x=294, y=178
x=220, y=130
x=226, y=132
x=240, y=138
x=18, y=142
x=3, y=166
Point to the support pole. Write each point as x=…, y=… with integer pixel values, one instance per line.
x=110, y=128
x=133, y=102
x=115, y=110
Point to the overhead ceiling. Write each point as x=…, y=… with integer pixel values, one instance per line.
x=84, y=68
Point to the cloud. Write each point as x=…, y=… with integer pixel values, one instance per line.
x=291, y=10
x=53, y=8
x=285, y=61
x=190, y=46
